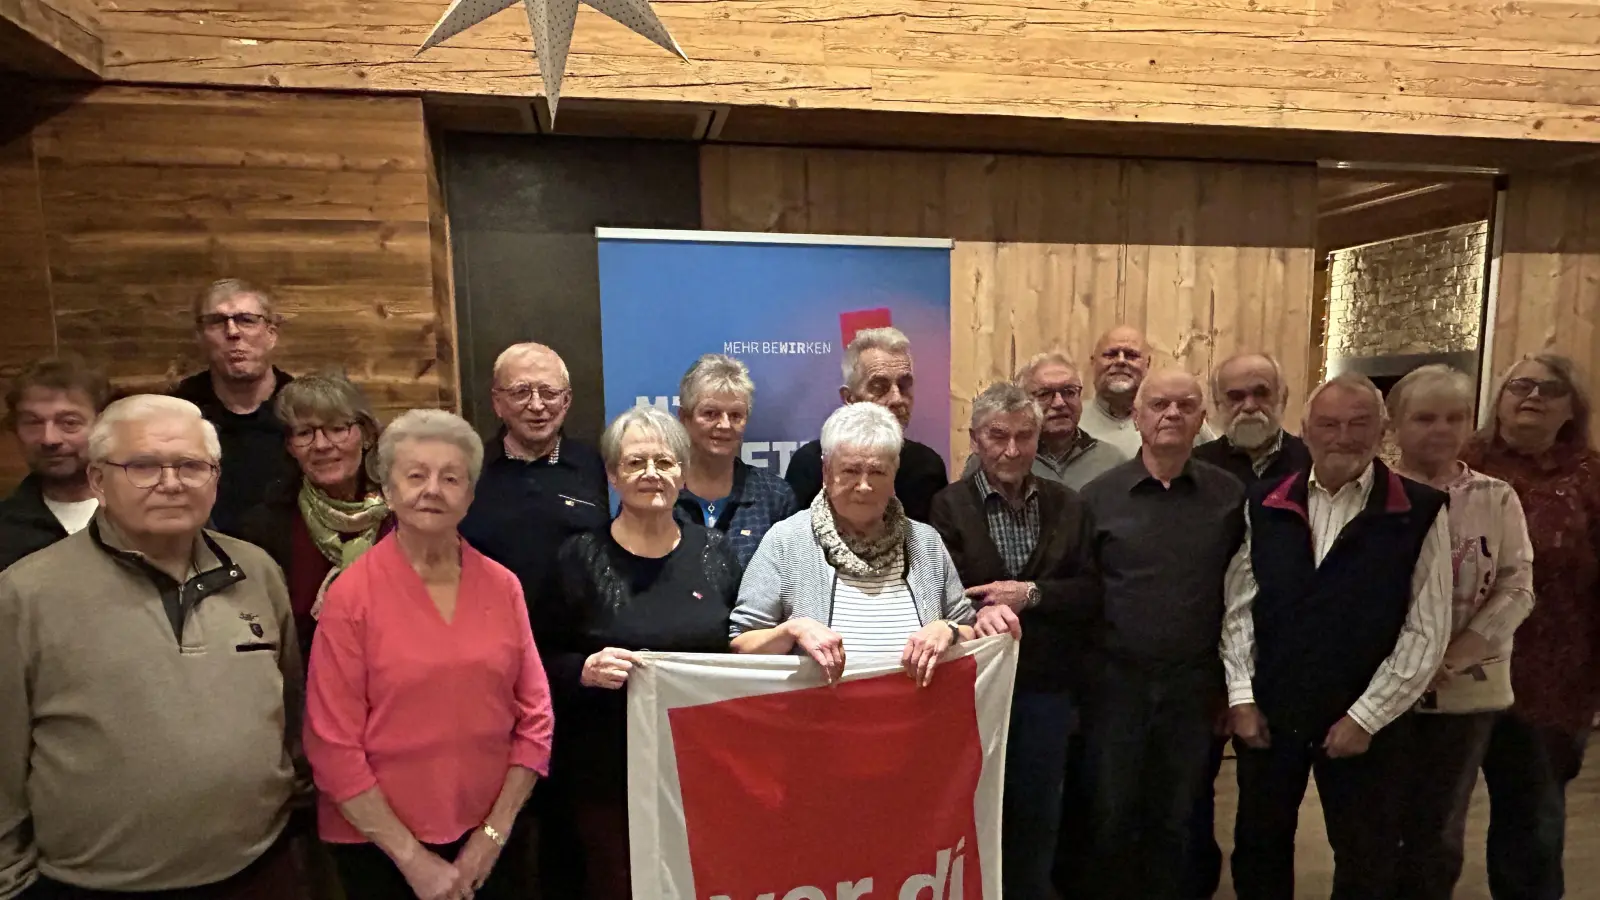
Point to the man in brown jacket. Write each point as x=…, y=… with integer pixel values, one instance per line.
x=1021, y=541
x=150, y=687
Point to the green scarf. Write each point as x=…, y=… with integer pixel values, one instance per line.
x=330, y=521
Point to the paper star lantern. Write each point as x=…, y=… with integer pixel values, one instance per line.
x=551, y=22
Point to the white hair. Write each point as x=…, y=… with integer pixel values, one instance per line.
x=1437, y=380
x=714, y=374
x=866, y=427
x=653, y=423
x=1040, y=360
x=1350, y=381
x=144, y=407
x=1277, y=375
x=429, y=425
x=889, y=340
x=525, y=351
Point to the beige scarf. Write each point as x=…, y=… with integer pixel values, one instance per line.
x=857, y=557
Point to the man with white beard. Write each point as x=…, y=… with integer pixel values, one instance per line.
x=1121, y=359
x=1250, y=397
x=1249, y=394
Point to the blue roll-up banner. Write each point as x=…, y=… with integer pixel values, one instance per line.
x=785, y=305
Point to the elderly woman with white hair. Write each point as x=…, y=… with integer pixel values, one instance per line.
x=1431, y=414
x=428, y=716
x=853, y=574
x=720, y=490
x=645, y=582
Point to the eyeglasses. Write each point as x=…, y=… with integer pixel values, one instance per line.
x=635, y=466
x=1524, y=387
x=191, y=473
x=242, y=321
x=1046, y=396
x=336, y=434
x=523, y=394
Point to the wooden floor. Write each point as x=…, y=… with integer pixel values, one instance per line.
x=1314, y=861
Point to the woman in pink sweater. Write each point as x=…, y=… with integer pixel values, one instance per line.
x=428, y=714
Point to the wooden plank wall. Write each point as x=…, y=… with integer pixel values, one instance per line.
x=1208, y=259
x=1468, y=68
x=1550, y=272
x=141, y=197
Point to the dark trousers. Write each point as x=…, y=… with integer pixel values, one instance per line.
x=1202, y=874
x=1074, y=854
x=1439, y=775
x=276, y=875
x=1526, y=769
x=368, y=873
x=1358, y=803
x=1148, y=745
x=1036, y=768
x=603, y=829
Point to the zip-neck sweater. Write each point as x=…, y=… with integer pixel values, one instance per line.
x=143, y=738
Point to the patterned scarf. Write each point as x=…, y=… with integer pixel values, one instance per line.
x=329, y=521
x=861, y=557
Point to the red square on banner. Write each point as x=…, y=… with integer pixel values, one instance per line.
x=861, y=320
x=827, y=787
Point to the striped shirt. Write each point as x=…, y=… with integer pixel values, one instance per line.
x=1404, y=676
x=1014, y=530
x=874, y=614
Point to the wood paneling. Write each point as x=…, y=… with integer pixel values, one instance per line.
x=50, y=38
x=1516, y=70
x=118, y=208
x=1208, y=259
x=1549, y=295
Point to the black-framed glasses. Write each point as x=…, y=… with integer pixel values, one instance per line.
x=1552, y=388
x=1045, y=396
x=523, y=394
x=336, y=434
x=242, y=321
x=145, y=473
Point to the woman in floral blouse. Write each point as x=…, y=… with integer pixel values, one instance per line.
x=1539, y=442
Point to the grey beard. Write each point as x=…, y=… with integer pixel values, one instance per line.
x=1251, y=434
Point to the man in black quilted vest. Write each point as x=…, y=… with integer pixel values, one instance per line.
x=1338, y=614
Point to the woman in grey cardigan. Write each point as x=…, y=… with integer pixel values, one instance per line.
x=852, y=574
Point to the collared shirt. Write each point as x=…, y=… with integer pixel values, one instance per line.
x=1120, y=431
x=551, y=458
x=1014, y=529
x=1404, y=676
x=1162, y=551
x=1285, y=456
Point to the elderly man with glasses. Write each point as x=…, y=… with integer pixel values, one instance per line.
x=150, y=686
x=538, y=488
x=236, y=325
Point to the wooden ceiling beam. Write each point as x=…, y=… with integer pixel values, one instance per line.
x=50, y=39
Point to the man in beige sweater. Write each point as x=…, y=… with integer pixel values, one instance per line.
x=150, y=687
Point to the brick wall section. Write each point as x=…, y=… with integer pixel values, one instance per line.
x=1418, y=294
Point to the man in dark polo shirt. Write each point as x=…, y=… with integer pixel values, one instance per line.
x=1339, y=612
x=237, y=327
x=1165, y=527
x=877, y=369
x=1249, y=396
x=538, y=488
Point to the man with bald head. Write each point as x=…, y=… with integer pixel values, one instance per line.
x=1165, y=526
x=1338, y=616
x=1121, y=359
x=538, y=488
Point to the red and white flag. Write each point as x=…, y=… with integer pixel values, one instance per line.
x=749, y=779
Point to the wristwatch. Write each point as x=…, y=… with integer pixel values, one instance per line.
x=1033, y=596
x=493, y=835
x=955, y=631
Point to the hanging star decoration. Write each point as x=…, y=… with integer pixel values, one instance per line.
x=551, y=22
